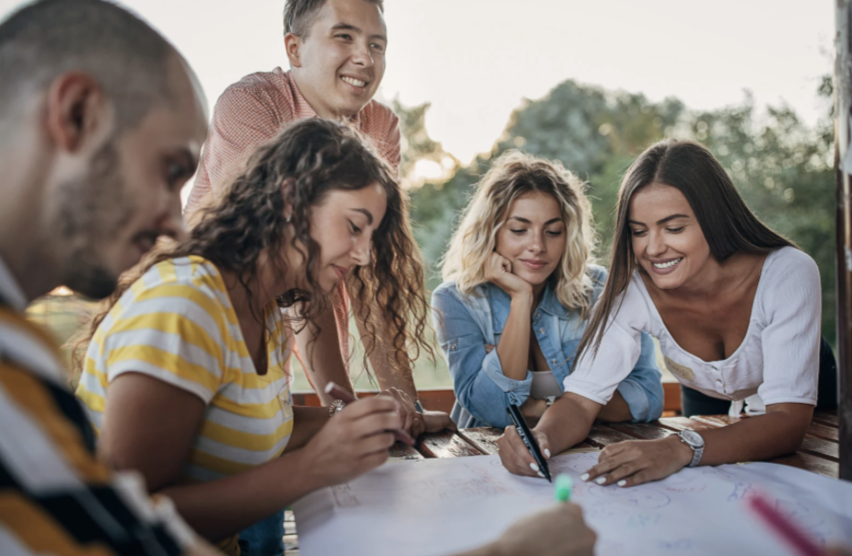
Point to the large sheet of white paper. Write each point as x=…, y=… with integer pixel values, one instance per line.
x=443, y=506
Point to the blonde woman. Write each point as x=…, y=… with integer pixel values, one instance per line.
x=515, y=301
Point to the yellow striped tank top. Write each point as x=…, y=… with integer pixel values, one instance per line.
x=176, y=324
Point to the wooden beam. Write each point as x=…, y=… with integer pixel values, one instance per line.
x=842, y=105
x=442, y=399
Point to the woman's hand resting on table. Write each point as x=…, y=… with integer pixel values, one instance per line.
x=634, y=462
x=414, y=422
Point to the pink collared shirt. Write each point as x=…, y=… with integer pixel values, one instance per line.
x=258, y=107
x=254, y=110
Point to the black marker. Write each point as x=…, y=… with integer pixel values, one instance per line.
x=526, y=435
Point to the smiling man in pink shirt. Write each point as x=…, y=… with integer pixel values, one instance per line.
x=336, y=50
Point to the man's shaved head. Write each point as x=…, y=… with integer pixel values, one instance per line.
x=101, y=124
x=50, y=37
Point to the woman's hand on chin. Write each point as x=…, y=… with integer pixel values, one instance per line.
x=498, y=270
x=634, y=462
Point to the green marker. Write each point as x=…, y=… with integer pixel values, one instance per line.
x=564, y=485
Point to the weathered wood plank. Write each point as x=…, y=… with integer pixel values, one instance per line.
x=820, y=447
x=683, y=423
x=602, y=435
x=824, y=431
x=400, y=451
x=483, y=439
x=829, y=418
x=642, y=431
x=809, y=462
x=718, y=421
x=445, y=444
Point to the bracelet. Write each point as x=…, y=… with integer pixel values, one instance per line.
x=418, y=406
x=335, y=407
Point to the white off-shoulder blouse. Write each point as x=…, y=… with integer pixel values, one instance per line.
x=777, y=362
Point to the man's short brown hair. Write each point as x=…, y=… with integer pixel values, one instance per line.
x=299, y=14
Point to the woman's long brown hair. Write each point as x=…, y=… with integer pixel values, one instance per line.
x=312, y=157
x=727, y=223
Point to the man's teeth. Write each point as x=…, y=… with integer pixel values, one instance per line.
x=668, y=264
x=354, y=82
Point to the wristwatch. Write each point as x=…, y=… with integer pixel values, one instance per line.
x=335, y=407
x=418, y=407
x=694, y=441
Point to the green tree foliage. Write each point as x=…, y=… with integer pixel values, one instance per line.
x=780, y=165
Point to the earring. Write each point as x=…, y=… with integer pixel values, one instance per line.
x=287, y=220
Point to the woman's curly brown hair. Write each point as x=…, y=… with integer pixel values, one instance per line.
x=297, y=169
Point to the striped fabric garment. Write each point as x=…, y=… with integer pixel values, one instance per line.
x=176, y=324
x=55, y=496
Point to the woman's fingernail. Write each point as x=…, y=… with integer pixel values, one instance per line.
x=622, y=482
x=534, y=467
x=547, y=452
x=540, y=474
x=584, y=477
x=600, y=480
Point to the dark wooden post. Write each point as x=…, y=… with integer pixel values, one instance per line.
x=843, y=110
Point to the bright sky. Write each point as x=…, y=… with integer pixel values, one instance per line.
x=474, y=60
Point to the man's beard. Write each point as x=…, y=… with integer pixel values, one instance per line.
x=92, y=212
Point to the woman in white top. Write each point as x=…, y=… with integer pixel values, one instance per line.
x=735, y=306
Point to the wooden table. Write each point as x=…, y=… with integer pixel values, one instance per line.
x=819, y=452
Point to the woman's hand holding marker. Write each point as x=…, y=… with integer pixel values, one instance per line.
x=516, y=456
x=634, y=462
x=353, y=442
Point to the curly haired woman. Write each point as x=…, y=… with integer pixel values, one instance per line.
x=184, y=375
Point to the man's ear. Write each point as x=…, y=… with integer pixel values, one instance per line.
x=293, y=46
x=77, y=111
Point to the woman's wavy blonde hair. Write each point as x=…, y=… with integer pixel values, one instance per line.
x=511, y=176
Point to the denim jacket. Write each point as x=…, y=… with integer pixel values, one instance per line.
x=465, y=324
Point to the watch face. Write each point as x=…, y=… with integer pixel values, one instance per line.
x=692, y=438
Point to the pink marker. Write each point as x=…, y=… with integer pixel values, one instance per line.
x=784, y=527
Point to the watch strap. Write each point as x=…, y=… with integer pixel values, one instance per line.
x=697, y=450
x=696, y=455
